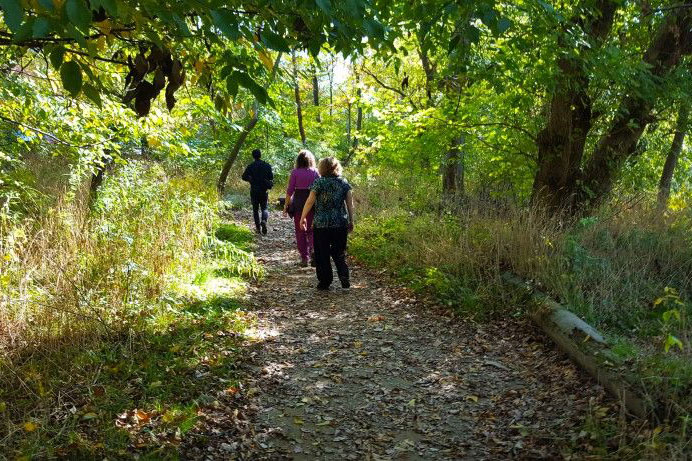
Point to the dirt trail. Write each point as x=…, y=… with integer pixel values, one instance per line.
x=372, y=373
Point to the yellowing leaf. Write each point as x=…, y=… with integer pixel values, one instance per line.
x=90, y=415
x=3, y=406
x=266, y=59
x=473, y=398
x=298, y=421
x=30, y=426
x=105, y=26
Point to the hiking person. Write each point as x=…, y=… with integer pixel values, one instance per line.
x=302, y=177
x=261, y=178
x=332, y=199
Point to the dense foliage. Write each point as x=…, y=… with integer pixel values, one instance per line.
x=540, y=137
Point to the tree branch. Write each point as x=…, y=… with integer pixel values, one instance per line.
x=391, y=88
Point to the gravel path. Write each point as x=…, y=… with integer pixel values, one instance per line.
x=372, y=373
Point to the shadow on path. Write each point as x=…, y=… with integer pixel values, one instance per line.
x=372, y=373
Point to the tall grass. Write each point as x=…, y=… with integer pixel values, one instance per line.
x=612, y=268
x=73, y=270
x=115, y=307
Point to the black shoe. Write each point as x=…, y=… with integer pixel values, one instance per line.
x=345, y=285
x=257, y=230
x=264, y=228
x=322, y=287
x=303, y=263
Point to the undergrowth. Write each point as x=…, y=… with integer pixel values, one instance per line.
x=118, y=320
x=626, y=271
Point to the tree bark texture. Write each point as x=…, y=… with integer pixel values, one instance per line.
x=672, y=41
x=672, y=157
x=561, y=142
x=316, y=93
x=296, y=90
x=453, y=169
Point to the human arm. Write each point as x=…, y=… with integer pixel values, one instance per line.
x=306, y=209
x=349, y=207
x=246, y=174
x=290, y=190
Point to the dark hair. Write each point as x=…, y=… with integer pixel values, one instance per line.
x=256, y=154
x=305, y=159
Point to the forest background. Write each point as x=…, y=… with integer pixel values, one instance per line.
x=547, y=139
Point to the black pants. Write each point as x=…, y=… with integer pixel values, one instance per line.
x=259, y=200
x=330, y=242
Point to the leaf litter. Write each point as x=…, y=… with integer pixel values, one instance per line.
x=374, y=373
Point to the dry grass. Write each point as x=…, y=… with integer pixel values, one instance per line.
x=72, y=272
x=609, y=268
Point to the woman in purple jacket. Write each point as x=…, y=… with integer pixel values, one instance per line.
x=302, y=177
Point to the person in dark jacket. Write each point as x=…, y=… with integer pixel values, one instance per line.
x=261, y=178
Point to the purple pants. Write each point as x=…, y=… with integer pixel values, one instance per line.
x=304, y=238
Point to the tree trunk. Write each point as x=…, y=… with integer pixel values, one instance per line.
x=348, y=126
x=672, y=158
x=453, y=170
x=359, y=113
x=236, y=149
x=230, y=160
x=316, y=93
x=561, y=142
x=673, y=40
x=98, y=176
x=428, y=69
x=331, y=89
x=296, y=90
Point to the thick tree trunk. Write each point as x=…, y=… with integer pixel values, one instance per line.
x=230, y=160
x=453, y=170
x=672, y=158
x=299, y=107
x=561, y=142
x=673, y=40
x=316, y=93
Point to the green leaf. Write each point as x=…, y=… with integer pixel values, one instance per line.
x=246, y=81
x=92, y=93
x=181, y=25
x=110, y=6
x=56, y=56
x=226, y=23
x=71, y=76
x=325, y=5
x=78, y=13
x=25, y=30
x=13, y=13
x=41, y=27
x=673, y=341
x=232, y=84
x=374, y=28
x=274, y=41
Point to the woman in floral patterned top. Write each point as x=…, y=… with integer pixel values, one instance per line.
x=332, y=199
